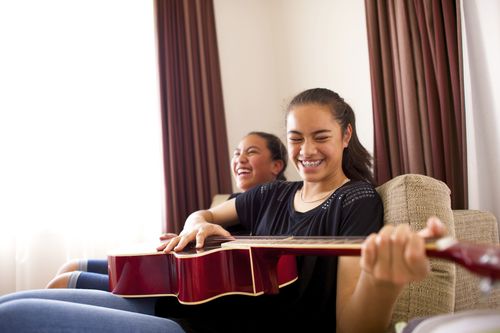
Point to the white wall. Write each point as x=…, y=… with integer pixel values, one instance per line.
x=481, y=28
x=270, y=50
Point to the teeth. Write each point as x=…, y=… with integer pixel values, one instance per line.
x=311, y=164
x=242, y=171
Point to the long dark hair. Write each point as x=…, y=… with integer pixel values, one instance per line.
x=356, y=161
x=277, y=149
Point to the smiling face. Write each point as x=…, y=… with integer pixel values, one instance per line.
x=316, y=143
x=252, y=163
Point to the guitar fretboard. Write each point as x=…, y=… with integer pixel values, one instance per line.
x=295, y=242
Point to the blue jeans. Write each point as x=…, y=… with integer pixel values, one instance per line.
x=92, y=274
x=95, y=266
x=78, y=310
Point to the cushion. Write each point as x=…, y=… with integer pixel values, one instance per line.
x=412, y=199
x=479, y=227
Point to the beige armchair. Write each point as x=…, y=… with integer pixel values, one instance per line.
x=450, y=288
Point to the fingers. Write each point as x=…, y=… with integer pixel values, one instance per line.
x=208, y=230
x=369, y=254
x=169, y=245
x=175, y=242
x=167, y=235
x=178, y=243
x=383, y=268
x=400, y=240
x=161, y=247
x=181, y=243
x=434, y=228
x=395, y=255
x=415, y=257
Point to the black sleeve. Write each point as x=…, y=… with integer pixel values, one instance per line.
x=233, y=195
x=248, y=206
x=251, y=205
x=237, y=229
x=362, y=212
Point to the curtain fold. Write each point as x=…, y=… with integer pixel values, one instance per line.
x=417, y=89
x=196, y=155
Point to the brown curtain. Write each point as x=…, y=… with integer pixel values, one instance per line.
x=195, y=146
x=417, y=91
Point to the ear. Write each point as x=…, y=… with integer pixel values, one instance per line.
x=347, y=135
x=277, y=167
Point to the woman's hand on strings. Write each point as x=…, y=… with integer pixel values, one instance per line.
x=196, y=228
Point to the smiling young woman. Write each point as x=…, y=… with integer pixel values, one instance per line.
x=259, y=158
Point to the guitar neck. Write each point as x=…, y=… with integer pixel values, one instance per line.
x=343, y=246
x=478, y=258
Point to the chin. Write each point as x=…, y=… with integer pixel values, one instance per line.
x=243, y=186
x=309, y=177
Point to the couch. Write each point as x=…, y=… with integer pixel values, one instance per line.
x=449, y=288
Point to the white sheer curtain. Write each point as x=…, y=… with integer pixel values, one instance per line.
x=481, y=31
x=80, y=134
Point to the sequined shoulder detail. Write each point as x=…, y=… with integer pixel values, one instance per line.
x=357, y=191
x=264, y=188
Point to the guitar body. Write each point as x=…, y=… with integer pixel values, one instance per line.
x=197, y=276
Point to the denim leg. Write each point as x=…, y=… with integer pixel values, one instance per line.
x=97, y=266
x=87, y=296
x=88, y=280
x=45, y=315
x=91, y=274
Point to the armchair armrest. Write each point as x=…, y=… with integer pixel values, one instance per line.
x=480, y=227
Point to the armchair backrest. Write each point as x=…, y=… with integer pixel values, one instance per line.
x=412, y=199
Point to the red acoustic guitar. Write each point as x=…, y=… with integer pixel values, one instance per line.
x=256, y=265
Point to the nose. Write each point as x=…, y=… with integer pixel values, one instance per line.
x=308, y=148
x=241, y=158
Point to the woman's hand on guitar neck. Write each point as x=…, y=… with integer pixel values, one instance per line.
x=396, y=255
x=197, y=228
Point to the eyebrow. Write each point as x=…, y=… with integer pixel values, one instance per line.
x=314, y=133
x=251, y=147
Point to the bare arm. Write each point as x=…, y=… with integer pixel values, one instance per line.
x=201, y=224
x=359, y=296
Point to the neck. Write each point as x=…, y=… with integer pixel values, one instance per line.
x=314, y=192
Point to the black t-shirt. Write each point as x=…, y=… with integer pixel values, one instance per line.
x=237, y=229
x=354, y=209
x=309, y=304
